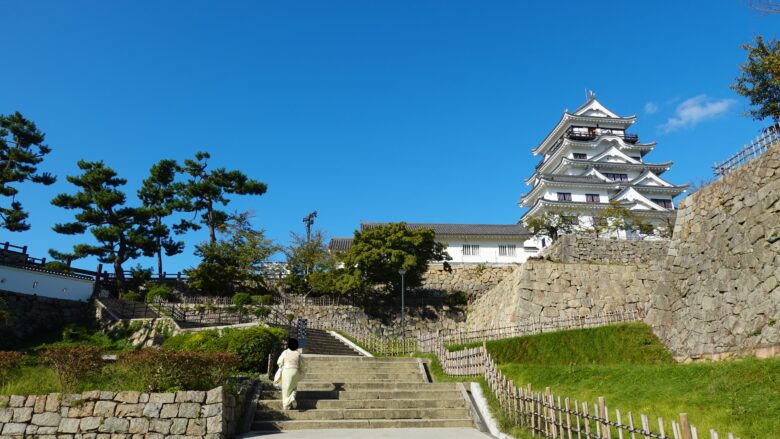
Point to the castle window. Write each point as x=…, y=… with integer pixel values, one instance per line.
x=592, y=198
x=564, y=196
x=470, y=250
x=580, y=156
x=507, y=250
x=616, y=177
x=666, y=204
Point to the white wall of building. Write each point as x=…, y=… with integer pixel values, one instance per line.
x=488, y=251
x=18, y=280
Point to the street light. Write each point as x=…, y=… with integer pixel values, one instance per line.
x=402, y=272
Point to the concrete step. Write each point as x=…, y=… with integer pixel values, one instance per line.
x=358, y=359
x=367, y=394
x=377, y=385
x=309, y=404
x=342, y=377
x=338, y=414
x=367, y=423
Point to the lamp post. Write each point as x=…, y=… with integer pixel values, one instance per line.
x=402, y=272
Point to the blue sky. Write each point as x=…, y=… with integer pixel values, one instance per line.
x=423, y=111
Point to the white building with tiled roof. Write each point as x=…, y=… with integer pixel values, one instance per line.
x=470, y=243
x=588, y=160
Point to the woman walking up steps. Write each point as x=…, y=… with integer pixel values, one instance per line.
x=291, y=365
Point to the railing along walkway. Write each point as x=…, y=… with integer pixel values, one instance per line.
x=769, y=137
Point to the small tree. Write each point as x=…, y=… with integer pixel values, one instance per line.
x=237, y=262
x=21, y=150
x=379, y=252
x=206, y=189
x=309, y=265
x=122, y=233
x=617, y=218
x=552, y=223
x=5, y=313
x=158, y=194
x=760, y=79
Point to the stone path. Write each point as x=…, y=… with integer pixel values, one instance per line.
x=384, y=433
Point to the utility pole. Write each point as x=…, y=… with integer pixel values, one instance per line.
x=309, y=221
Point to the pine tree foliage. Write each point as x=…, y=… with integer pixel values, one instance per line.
x=122, y=233
x=21, y=151
x=159, y=193
x=207, y=189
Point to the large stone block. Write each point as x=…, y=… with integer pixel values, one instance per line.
x=114, y=425
x=46, y=419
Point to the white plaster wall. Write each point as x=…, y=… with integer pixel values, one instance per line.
x=18, y=280
x=488, y=250
x=577, y=195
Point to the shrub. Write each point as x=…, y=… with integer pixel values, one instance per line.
x=251, y=345
x=9, y=362
x=263, y=299
x=261, y=312
x=72, y=364
x=241, y=299
x=163, y=291
x=168, y=369
x=132, y=296
x=57, y=266
x=456, y=299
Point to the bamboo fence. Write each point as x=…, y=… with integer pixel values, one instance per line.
x=770, y=136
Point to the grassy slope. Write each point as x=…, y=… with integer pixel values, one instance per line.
x=630, y=367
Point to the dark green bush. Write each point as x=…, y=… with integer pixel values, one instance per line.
x=9, y=363
x=132, y=296
x=456, y=299
x=163, y=291
x=263, y=299
x=252, y=345
x=168, y=369
x=241, y=299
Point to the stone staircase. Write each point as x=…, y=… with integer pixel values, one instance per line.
x=319, y=342
x=361, y=392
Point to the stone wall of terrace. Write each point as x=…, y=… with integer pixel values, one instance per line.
x=541, y=288
x=96, y=414
x=587, y=248
x=720, y=293
x=32, y=314
x=472, y=279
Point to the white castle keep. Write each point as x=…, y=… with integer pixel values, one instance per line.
x=588, y=160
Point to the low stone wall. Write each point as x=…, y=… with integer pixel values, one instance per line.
x=541, y=288
x=720, y=293
x=473, y=279
x=32, y=314
x=99, y=414
x=592, y=249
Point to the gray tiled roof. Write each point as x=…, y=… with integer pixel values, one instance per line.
x=339, y=244
x=463, y=229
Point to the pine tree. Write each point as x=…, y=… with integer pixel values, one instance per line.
x=21, y=150
x=760, y=79
x=122, y=233
x=158, y=194
x=206, y=189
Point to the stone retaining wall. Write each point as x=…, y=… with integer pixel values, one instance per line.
x=592, y=249
x=112, y=415
x=426, y=319
x=541, y=288
x=35, y=315
x=720, y=293
x=473, y=279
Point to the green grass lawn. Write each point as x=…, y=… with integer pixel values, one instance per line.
x=630, y=367
x=36, y=379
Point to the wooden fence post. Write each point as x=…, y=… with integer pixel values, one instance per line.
x=684, y=426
